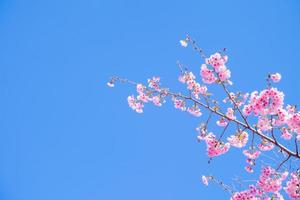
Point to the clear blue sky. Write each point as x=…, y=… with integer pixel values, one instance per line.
x=65, y=135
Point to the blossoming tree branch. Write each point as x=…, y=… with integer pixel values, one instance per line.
x=276, y=126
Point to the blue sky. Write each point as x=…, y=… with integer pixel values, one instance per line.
x=65, y=135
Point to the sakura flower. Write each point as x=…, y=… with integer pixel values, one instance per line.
x=139, y=107
x=110, y=84
x=275, y=77
x=270, y=180
x=293, y=186
x=194, y=111
x=285, y=134
x=224, y=75
x=217, y=61
x=251, y=154
x=154, y=83
x=265, y=145
x=294, y=122
x=143, y=97
x=244, y=195
x=198, y=89
x=230, y=114
x=135, y=104
x=140, y=88
x=222, y=122
x=183, y=43
x=179, y=104
x=249, y=169
x=207, y=75
x=264, y=124
x=239, y=140
x=215, y=147
x=205, y=180
x=264, y=103
x=156, y=100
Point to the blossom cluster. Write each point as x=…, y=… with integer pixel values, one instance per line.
x=218, y=71
x=267, y=107
x=214, y=146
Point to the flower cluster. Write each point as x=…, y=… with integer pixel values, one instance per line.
x=214, y=146
x=238, y=140
x=251, y=154
x=266, y=102
x=250, y=194
x=219, y=71
x=190, y=79
x=293, y=186
x=152, y=94
x=270, y=180
x=275, y=77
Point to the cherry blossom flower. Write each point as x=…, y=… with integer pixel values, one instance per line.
x=266, y=102
x=270, y=180
x=207, y=75
x=205, y=180
x=275, y=77
x=215, y=147
x=238, y=140
x=140, y=88
x=179, y=104
x=156, y=100
x=251, y=154
x=244, y=195
x=294, y=122
x=195, y=111
x=222, y=122
x=293, y=186
x=230, y=114
x=154, y=83
x=249, y=169
x=143, y=97
x=183, y=43
x=110, y=84
x=264, y=124
x=285, y=134
x=265, y=145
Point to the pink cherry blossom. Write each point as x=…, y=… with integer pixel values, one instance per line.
x=270, y=180
x=230, y=114
x=215, y=147
x=286, y=134
x=135, y=104
x=222, y=122
x=264, y=124
x=207, y=75
x=110, y=84
x=238, y=140
x=245, y=195
x=183, y=43
x=249, y=169
x=179, y=104
x=275, y=77
x=194, y=111
x=156, y=100
x=265, y=145
x=154, y=83
x=143, y=97
x=217, y=61
x=294, y=122
x=205, y=180
x=251, y=154
x=266, y=102
x=293, y=186
x=140, y=88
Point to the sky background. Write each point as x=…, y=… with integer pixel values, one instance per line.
x=65, y=135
